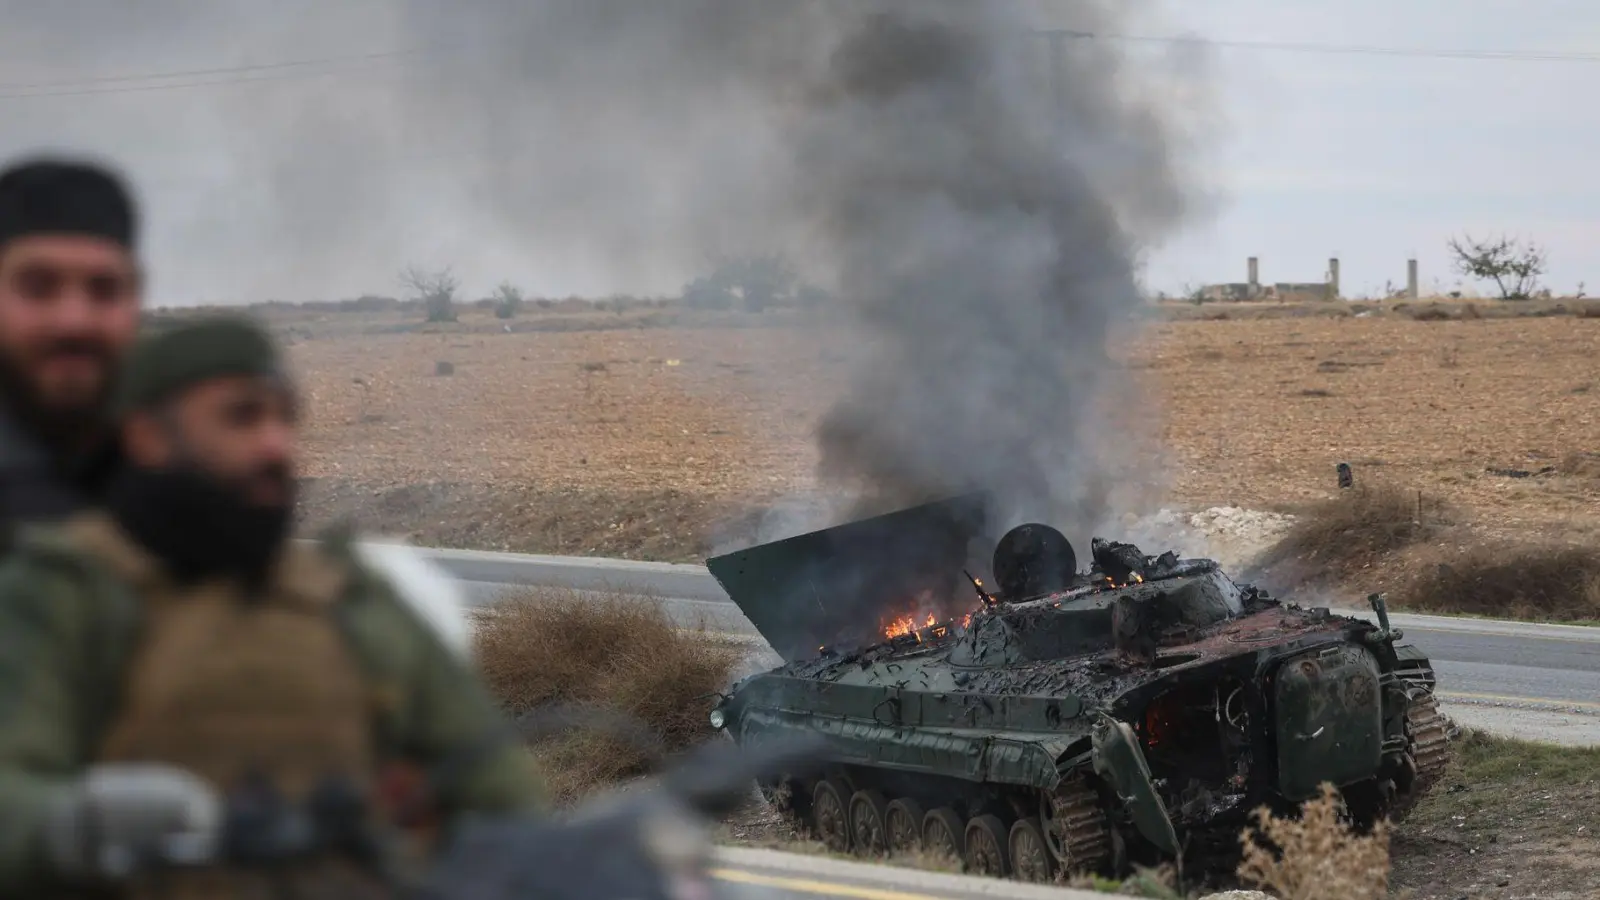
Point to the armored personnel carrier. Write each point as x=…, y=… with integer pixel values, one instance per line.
x=1135, y=710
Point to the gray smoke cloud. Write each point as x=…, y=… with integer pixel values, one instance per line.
x=988, y=241
x=978, y=212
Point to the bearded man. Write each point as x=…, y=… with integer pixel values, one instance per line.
x=70, y=295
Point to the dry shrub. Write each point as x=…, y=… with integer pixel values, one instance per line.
x=1552, y=583
x=1316, y=856
x=927, y=860
x=1160, y=883
x=553, y=646
x=1350, y=531
x=1433, y=312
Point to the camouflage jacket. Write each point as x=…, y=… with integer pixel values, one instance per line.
x=69, y=629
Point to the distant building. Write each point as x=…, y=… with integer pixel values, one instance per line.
x=1227, y=293
x=1302, y=291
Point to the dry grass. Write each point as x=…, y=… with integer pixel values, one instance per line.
x=1510, y=820
x=1152, y=884
x=1316, y=856
x=1381, y=536
x=556, y=646
x=1554, y=583
x=1580, y=464
x=1335, y=538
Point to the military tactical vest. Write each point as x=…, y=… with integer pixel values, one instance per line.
x=235, y=687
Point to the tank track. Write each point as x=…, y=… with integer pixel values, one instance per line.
x=1428, y=743
x=1081, y=836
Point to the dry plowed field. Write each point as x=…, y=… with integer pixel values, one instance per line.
x=642, y=441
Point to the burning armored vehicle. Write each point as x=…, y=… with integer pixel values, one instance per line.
x=1067, y=720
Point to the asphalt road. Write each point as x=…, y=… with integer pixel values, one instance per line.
x=1532, y=681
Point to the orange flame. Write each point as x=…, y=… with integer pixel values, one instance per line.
x=907, y=625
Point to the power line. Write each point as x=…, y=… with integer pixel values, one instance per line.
x=251, y=75
x=291, y=69
x=1334, y=49
x=190, y=73
x=142, y=88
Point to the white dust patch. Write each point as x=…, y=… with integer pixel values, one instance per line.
x=1231, y=535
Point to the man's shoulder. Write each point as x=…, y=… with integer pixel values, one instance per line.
x=45, y=568
x=52, y=545
x=400, y=580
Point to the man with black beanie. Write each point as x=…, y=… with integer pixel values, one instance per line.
x=70, y=296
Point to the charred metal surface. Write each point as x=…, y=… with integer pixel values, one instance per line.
x=838, y=585
x=1120, y=562
x=1150, y=699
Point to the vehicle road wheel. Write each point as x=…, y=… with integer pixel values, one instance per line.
x=902, y=825
x=942, y=833
x=1031, y=858
x=868, y=810
x=829, y=815
x=987, y=843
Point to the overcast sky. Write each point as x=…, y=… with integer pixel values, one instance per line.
x=1374, y=158
x=1369, y=157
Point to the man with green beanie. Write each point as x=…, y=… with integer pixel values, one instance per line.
x=175, y=654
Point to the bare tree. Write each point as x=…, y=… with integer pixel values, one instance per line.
x=507, y=300
x=436, y=290
x=1513, y=266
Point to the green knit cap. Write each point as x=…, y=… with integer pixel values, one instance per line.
x=166, y=362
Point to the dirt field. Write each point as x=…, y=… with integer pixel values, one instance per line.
x=643, y=439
